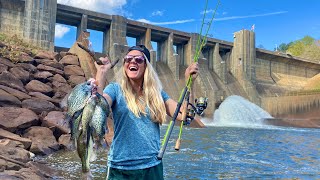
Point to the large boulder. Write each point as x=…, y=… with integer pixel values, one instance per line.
x=8, y=135
x=21, y=74
x=38, y=105
x=26, y=66
x=13, y=119
x=8, y=79
x=38, y=86
x=6, y=62
x=43, y=141
x=57, y=120
x=7, y=99
x=73, y=70
x=42, y=76
x=75, y=80
x=51, y=63
x=70, y=60
x=20, y=95
x=53, y=70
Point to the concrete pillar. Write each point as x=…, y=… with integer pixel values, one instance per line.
x=39, y=22
x=82, y=26
x=180, y=52
x=243, y=62
x=117, y=34
x=219, y=64
x=106, y=41
x=190, y=49
x=145, y=39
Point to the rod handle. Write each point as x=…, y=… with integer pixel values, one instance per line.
x=177, y=146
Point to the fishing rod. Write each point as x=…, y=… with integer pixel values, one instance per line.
x=187, y=88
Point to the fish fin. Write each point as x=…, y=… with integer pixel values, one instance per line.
x=93, y=156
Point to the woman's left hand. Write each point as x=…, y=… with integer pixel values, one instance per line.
x=193, y=70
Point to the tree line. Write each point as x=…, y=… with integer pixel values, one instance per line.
x=307, y=47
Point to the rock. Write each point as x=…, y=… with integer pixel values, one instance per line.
x=43, y=141
x=6, y=62
x=63, y=87
x=20, y=73
x=51, y=63
x=20, y=95
x=73, y=70
x=49, y=68
x=70, y=60
x=38, y=105
x=75, y=80
x=62, y=54
x=7, y=99
x=28, y=67
x=38, y=86
x=24, y=57
x=42, y=76
x=3, y=67
x=43, y=169
x=45, y=55
x=23, y=174
x=65, y=141
x=58, y=78
x=57, y=120
x=7, y=79
x=15, y=153
x=11, y=143
x=44, y=97
x=15, y=138
x=13, y=119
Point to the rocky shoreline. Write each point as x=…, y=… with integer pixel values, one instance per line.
x=32, y=113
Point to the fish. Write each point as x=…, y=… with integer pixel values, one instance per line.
x=87, y=114
x=75, y=104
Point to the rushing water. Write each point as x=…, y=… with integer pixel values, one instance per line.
x=226, y=153
x=229, y=148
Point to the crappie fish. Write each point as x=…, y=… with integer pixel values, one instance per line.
x=98, y=121
x=75, y=103
x=87, y=112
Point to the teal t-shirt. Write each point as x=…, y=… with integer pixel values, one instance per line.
x=136, y=141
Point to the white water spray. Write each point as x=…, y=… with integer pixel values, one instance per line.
x=239, y=112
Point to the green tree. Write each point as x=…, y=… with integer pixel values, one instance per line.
x=297, y=48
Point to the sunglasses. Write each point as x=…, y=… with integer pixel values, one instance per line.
x=137, y=59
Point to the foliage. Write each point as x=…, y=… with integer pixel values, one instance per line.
x=307, y=47
x=13, y=47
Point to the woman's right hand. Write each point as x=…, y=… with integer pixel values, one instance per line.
x=103, y=69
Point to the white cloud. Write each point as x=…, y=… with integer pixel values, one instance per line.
x=61, y=30
x=166, y=23
x=208, y=11
x=249, y=16
x=104, y=6
x=157, y=13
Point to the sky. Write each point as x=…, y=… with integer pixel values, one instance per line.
x=274, y=21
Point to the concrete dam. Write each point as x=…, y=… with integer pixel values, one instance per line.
x=274, y=81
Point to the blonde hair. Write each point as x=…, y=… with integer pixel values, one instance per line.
x=152, y=98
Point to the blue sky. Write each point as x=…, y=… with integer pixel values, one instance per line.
x=276, y=21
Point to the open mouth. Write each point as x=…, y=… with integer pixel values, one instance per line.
x=133, y=68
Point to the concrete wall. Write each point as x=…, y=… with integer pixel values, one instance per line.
x=12, y=16
x=32, y=20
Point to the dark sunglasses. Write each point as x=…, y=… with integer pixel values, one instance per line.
x=137, y=59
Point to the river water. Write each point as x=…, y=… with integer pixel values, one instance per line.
x=235, y=145
x=225, y=153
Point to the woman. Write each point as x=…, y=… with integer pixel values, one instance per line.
x=139, y=106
